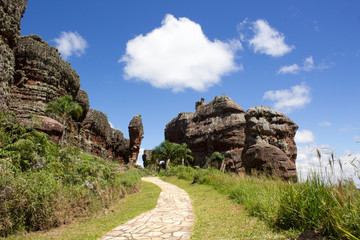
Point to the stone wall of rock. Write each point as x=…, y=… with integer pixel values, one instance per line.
x=11, y=12
x=99, y=138
x=259, y=139
x=32, y=74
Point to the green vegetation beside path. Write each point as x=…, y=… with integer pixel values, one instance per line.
x=94, y=227
x=218, y=217
x=317, y=204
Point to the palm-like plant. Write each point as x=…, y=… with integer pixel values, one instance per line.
x=65, y=108
x=167, y=152
x=185, y=154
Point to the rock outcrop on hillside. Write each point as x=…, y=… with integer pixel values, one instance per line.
x=32, y=74
x=260, y=139
x=217, y=126
x=40, y=76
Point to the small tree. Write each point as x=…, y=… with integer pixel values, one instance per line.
x=65, y=108
x=217, y=157
x=185, y=154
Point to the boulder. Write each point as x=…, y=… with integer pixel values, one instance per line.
x=265, y=125
x=42, y=123
x=136, y=134
x=269, y=159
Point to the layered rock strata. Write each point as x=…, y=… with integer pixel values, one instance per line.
x=32, y=74
x=11, y=13
x=217, y=126
x=260, y=139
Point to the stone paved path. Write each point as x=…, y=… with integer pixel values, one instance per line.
x=172, y=218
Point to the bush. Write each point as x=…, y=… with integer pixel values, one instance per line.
x=43, y=185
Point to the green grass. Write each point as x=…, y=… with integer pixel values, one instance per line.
x=94, y=227
x=218, y=217
x=332, y=209
x=43, y=185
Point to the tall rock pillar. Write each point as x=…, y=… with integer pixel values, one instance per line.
x=136, y=133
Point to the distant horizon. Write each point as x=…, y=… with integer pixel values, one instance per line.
x=158, y=59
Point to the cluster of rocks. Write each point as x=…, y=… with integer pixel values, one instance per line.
x=32, y=74
x=259, y=139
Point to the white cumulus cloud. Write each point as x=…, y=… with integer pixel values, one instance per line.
x=71, y=43
x=178, y=55
x=287, y=100
x=304, y=136
x=268, y=40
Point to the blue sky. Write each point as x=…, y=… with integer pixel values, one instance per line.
x=157, y=58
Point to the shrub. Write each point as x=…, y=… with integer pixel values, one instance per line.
x=43, y=185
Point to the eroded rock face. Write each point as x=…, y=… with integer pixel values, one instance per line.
x=262, y=136
x=136, y=134
x=11, y=12
x=265, y=125
x=267, y=158
x=217, y=126
x=40, y=76
x=98, y=138
x=32, y=74
x=83, y=99
x=7, y=70
x=146, y=157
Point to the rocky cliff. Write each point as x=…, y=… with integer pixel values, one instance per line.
x=260, y=138
x=32, y=73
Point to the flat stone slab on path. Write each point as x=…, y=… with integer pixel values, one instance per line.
x=172, y=218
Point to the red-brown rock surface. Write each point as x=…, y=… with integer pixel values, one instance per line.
x=98, y=138
x=40, y=76
x=217, y=126
x=136, y=134
x=262, y=136
x=267, y=158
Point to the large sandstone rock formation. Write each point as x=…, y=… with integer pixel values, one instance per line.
x=260, y=139
x=217, y=126
x=32, y=74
